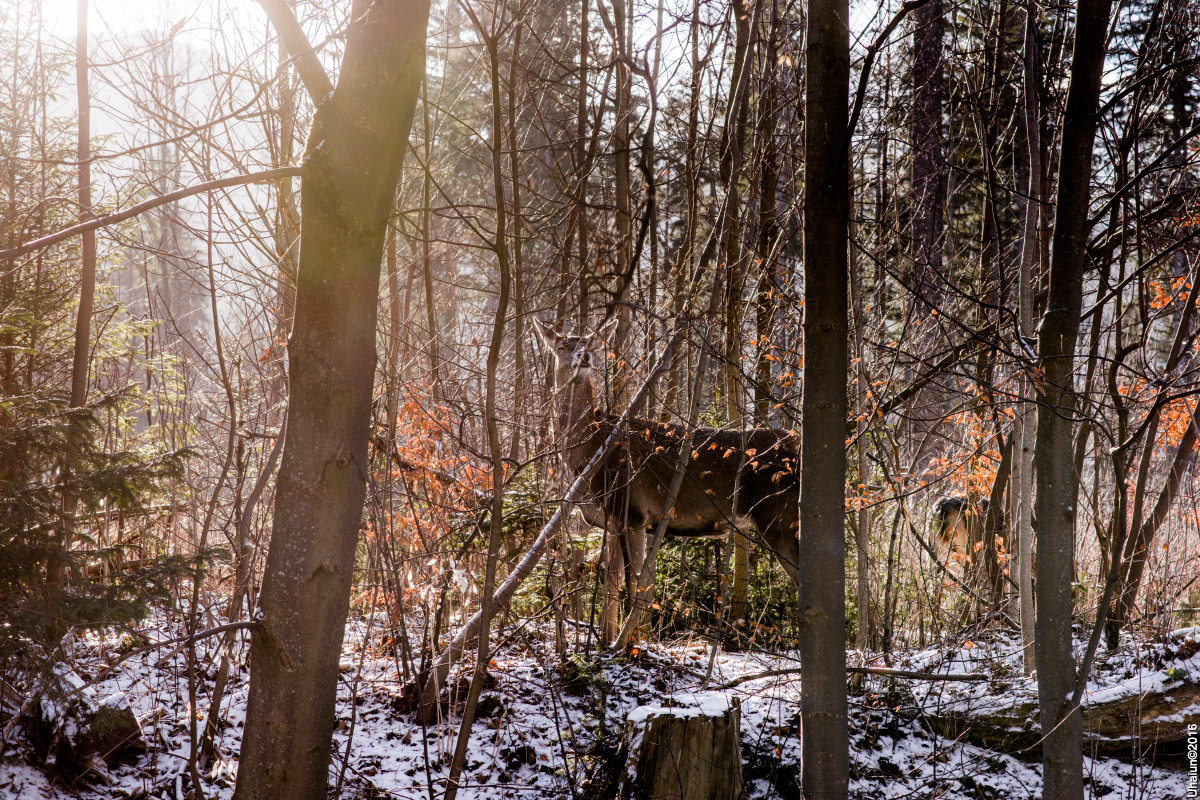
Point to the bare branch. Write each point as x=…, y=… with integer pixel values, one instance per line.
x=146, y=205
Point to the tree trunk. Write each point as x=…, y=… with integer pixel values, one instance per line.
x=768, y=227
x=1023, y=433
x=496, y=533
x=927, y=160
x=87, y=291
x=287, y=224
x=863, y=514
x=732, y=160
x=1057, y=481
x=351, y=166
x=56, y=564
x=622, y=37
x=1138, y=548
x=926, y=281
x=823, y=451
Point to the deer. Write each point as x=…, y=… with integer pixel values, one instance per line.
x=734, y=479
x=977, y=559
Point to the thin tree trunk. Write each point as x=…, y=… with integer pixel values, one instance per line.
x=825, y=750
x=496, y=532
x=581, y=163
x=426, y=235
x=684, y=265
x=622, y=36
x=732, y=160
x=351, y=166
x=1057, y=481
x=768, y=228
x=862, y=516
x=1137, y=549
x=1023, y=432
x=928, y=208
x=87, y=291
x=287, y=229
x=518, y=263
x=56, y=564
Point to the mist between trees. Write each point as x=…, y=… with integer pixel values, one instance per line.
x=268, y=285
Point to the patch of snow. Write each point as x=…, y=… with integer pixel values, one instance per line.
x=543, y=739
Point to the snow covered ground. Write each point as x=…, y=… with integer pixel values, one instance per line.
x=549, y=729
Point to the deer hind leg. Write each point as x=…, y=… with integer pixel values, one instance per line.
x=614, y=574
x=779, y=526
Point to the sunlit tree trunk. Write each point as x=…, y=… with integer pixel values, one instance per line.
x=56, y=565
x=352, y=162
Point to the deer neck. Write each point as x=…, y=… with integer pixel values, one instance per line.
x=576, y=406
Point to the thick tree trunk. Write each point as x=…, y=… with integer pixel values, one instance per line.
x=351, y=166
x=823, y=454
x=928, y=183
x=1054, y=464
x=1128, y=719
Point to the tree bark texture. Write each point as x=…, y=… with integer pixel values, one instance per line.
x=352, y=162
x=1057, y=481
x=929, y=89
x=1023, y=433
x=685, y=755
x=823, y=451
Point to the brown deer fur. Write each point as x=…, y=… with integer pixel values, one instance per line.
x=734, y=478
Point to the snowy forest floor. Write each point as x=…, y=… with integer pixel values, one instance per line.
x=550, y=728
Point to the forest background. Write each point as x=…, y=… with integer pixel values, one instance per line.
x=570, y=162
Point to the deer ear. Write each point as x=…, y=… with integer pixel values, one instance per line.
x=545, y=333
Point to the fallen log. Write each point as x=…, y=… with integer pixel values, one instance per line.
x=1127, y=710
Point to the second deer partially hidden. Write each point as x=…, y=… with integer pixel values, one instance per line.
x=734, y=479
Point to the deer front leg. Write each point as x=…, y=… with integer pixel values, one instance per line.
x=634, y=543
x=614, y=573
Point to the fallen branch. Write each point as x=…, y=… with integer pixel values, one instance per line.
x=885, y=671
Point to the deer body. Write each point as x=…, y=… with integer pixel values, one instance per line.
x=734, y=479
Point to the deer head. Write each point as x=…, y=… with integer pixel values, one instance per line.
x=573, y=359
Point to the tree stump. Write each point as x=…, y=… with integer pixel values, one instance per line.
x=686, y=749
x=71, y=727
